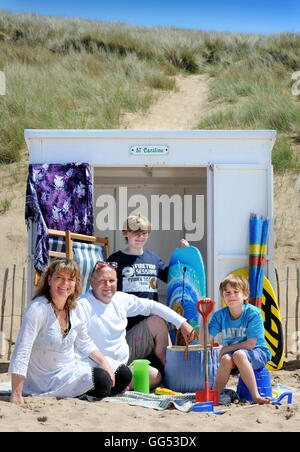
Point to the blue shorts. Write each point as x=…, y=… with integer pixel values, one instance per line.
x=257, y=358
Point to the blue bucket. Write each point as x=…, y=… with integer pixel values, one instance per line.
x=263, y=385
x=187, y=375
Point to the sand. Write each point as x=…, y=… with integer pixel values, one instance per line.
x=46, y=414
x=73, y=415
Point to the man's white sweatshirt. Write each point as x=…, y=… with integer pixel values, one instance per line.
x=106, y=323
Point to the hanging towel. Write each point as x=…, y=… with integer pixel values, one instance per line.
x=58, y=196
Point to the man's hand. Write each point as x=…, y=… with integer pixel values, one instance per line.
x=187, y=331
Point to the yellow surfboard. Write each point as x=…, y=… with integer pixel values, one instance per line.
x=272, y=321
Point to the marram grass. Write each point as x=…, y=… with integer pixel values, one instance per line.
x=75, y=73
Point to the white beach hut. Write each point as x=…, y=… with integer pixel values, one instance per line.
x=198, y=184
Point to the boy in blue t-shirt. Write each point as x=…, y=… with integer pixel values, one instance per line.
x=243, y=339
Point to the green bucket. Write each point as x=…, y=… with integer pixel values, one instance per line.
x=141, y=375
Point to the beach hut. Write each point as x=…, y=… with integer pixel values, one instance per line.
x=198, y=184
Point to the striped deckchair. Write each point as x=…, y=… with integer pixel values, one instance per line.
x=86, y=253
x=257, y=257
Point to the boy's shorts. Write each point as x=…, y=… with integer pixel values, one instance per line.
x=140, y=341
x=257, y=358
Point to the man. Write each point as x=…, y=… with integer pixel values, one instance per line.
x=106, y=312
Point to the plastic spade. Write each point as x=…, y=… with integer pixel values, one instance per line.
x=206, y=395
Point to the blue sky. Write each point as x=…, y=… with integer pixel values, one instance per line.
x=254, y=16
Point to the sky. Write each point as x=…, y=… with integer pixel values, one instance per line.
x=241, y=16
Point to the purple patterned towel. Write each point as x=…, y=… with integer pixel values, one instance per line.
x=59, y=196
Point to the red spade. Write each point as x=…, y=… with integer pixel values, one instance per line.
x=206, y=395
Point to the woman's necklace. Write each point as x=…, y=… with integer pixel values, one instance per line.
x=63, y=322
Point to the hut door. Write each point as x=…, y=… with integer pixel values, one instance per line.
x=234, y=192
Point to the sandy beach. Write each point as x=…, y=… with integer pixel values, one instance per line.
x=45, y=414
x=41, y=414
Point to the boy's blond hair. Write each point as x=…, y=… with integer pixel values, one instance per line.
x=136, y=223
x=237, y=282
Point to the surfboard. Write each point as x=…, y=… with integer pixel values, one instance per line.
x=186, y=285
x=272, y=321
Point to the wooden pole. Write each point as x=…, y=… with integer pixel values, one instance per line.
x=278, y=286
x=4, y=298
x=287, y=311
x=297, y=313
x=3, y=312
x=23, y=294
x=12, y=312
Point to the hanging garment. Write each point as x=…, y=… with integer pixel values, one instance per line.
x=58, y=196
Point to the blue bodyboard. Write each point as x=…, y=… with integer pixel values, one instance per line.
x=186, y=285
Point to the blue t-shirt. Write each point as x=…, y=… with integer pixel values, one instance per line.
x=250, y=325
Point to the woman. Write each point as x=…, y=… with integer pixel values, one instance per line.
x=43, y=362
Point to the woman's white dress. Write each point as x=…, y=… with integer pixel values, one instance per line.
x=46, y=359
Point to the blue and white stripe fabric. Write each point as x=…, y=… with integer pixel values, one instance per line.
x=86, y=255
x=57, y=245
